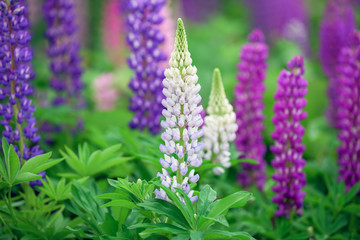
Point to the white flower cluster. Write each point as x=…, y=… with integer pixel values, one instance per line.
x=182, y=150
x=220, y=126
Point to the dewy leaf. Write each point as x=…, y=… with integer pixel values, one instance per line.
x=14, y=164
x=206, y=197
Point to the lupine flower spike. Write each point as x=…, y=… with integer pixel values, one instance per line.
x=16, y=109
x=349, y=113
x=288, y=149
x=63, y=51
x=144, y=39
x=336, y=27
x=220, y=126
x=182, y=150
x=249, y=97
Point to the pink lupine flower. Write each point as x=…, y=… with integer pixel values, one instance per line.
x=105, y=93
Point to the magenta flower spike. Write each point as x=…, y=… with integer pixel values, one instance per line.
x=349, y=111
x=288, y=148
x=249, y=109
x=336, y=26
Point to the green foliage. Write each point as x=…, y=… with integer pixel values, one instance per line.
x=184, y=223
x=87, y=164
x=12, y=173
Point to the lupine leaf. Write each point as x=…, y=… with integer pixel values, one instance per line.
x=13, y=164
x=26, y=177
x=197, y=235
x=206, y=197
x=219, y=234
x=352, y=192
x=33, y=163
x=120, y=203
x=163, y=207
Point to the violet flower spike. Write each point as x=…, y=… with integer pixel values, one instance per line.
x=348, y=79
x=144, y=39
x=63, y=51
x=249, y=106
x=288, y=148
x=220, y=126
x=336, y=27
x=16, y=109
x=181, y=148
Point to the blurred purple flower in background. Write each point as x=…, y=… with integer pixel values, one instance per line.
x=198, y=10
x=281, y=19
x=348, y=79
x=144, y=39
x=249, y=108
x=288, y=148
x=63, y=51
x=106, y=94
x=337, y=24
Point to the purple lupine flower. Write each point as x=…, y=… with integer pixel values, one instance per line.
x=288, y=149
x=282, y=19
x=349, y=113
x=337, y=24
x=16, y=72
x=249, y=109
x=144, y=38
x=63, y=51
x=16, y=109
x=181, y=148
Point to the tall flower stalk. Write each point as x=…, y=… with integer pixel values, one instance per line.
x=288, y=148
x=336, y=26
x=144, y=39
x=63, y=51
x=16, y=109
x=349, y=112
x=182, y=104
x=220, y=126
x=249, y=106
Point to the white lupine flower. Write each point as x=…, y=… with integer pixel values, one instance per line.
x=220, y=126
x=182, y=121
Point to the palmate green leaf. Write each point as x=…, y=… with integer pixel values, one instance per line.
x=114, y=196
x=158, y=228
x=177, y=203
x=112, y=162
x=220, y=219
x=163, y=207
x=352, y=193
x=181, y=237
x=206, y=197
x=13, y=162
x=4, y=174
x=189, y=205
x=238, y=199
x=120, y=203
x=197, y=235
x=34, y=163
x=26, y=177
x=73, y=161
x=301, y=236
x=219, y=234
x=220, y=207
